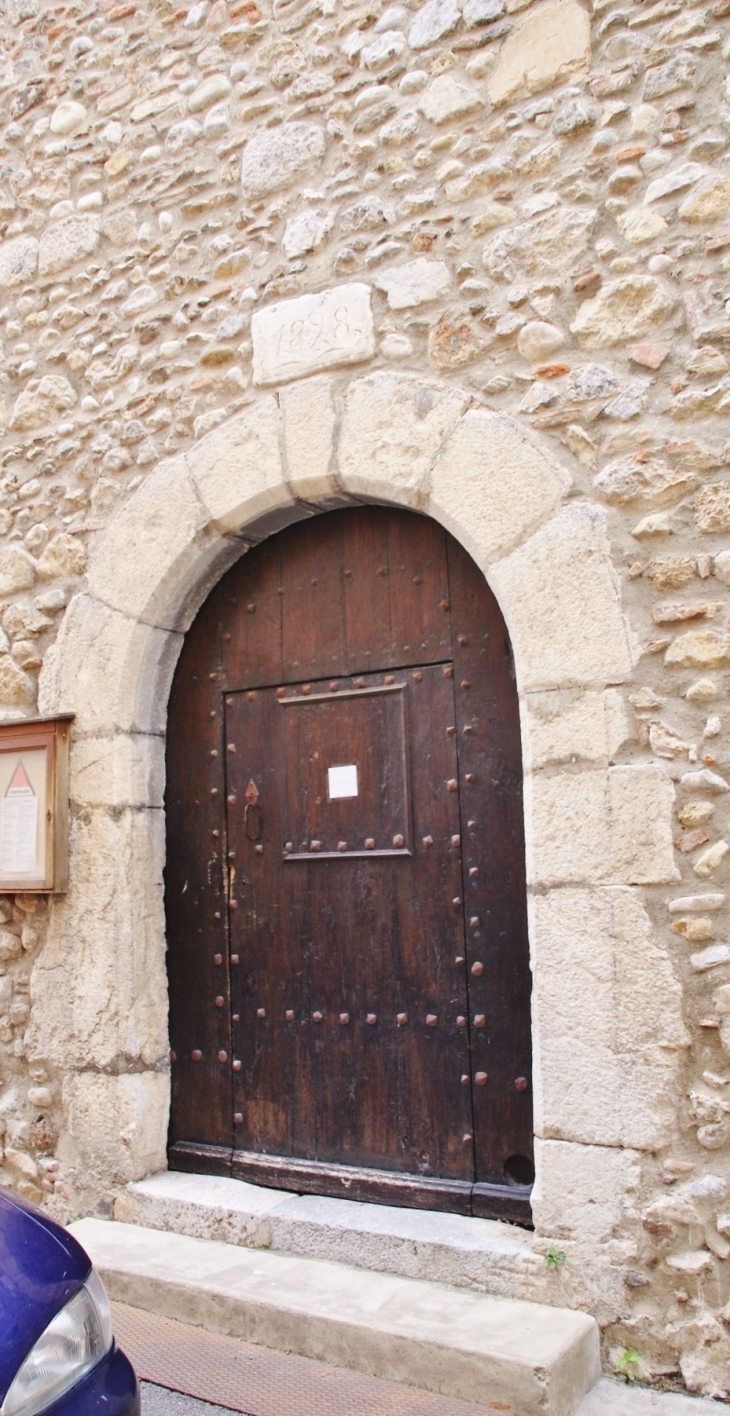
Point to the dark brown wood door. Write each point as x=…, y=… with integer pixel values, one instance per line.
x=345, y=891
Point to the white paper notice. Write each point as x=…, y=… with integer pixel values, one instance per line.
x=342, y=781
x=19, y=825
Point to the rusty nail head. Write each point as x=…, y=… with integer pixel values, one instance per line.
x=231, y=855
x=212, y=677
x=344, y=1018
x=236, y=1065
x=467, y=1137
x=469, y=777
x=471, y=825
x=226, y=638
x=371, y=1018
x=431, y=1020
x=474, y=921
x=473, y=871
x=222, y=1056
x=459, y=959
x=236, y=1017
x=196, y=1054
x=288, y=846
x=481, y=1078
x=260, y=1012
x=468, y=730
x=461, y=1021
x=428, y=840
x=214, y=752
x=417, y=580
x=457, y=900
x=281, y=692
x=398, y=841
x=259, y=849
x=217, y=958
x=369, y=844
x=465, y=1079
x=219, y=1001
x=214, y=791
x=450, y=731
x=401, y=1019
x=479, y=1020
x=389, y=678
x=334, y=686
x=289, y=1015
x=316, y=1017
x=215, y=834
x=417, y=677
x=173, y=1057
x=348, y=575
x=456, y=841
x=234, y=958
x=383, y=570
x=233, y=904
x=477, y=968
x=217, y=914
x=231, y=747
x=448, y=671
x=462, y=640
x=306, y=689
x=452, y=785
x=342, y=845
x=231, y=800
x=250, y=696
x=359, y=682
x=250, y=609
x=211, y=713
x=238, y=1117
x=465, y=683
x=315, y=845
x=521, y=1084
x=444, y=605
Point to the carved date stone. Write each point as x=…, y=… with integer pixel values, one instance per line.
x=298, y=337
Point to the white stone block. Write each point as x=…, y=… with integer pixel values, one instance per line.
x=553, y=41
x=393, y=427
x=414, y=283
x=492, y=485
x=560, y=596
x=99, y=985
x=309, y=417
x=613, y=826
x=237, y=467
x=111, y=671
x=117, y=1125
x=145, y=561
x=581, y=1190
x=565, y=725
x=607, y=1021
x=298, y=337
x=124, y=770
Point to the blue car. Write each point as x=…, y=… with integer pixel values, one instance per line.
x=57, y=1350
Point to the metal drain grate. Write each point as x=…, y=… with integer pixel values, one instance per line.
x=260, y=1382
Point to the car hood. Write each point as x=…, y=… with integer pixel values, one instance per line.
x=41, y=1267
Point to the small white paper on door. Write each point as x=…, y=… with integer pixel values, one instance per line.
x=342, y=781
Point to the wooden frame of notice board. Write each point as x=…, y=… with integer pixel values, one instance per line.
x=34, y=805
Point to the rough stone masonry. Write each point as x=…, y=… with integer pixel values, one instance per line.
x=530, y=200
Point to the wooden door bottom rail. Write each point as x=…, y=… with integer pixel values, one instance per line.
x=510, y=1203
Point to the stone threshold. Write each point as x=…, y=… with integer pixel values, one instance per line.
x=472, y=1346
x=483, y=1255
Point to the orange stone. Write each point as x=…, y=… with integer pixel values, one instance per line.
x=651, y=356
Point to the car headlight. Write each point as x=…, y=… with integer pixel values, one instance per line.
x=72, y=1344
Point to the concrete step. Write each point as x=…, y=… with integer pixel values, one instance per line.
x=538, y=1361
x=479, y=1254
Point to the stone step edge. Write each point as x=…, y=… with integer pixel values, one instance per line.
x=482, y=1255
x=540, y=1361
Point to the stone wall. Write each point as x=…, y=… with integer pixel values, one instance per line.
x=530, y=204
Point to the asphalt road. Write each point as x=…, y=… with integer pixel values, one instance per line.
x=158, y=1401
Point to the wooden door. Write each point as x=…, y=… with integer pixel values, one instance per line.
x=345, y=891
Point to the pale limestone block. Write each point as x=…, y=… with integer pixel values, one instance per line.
x=125, y=770
x=628, y=308
x=448, y=97
x=552, y=42
x=641, y=800
x=99, y=985
x=568, y=828
x=143, y=562
x=393, y=427
x=415, y=283
x=492, y=484
x=68, y=118
x=274, y=157
x=566, y=725
x=113, y=672
x=237, y=468
x=298, y=337
x=66, y=242
x=116, y=1125
x=18, y=260
x=563, y=570
x=42, y=403
x=581, y=1190
x=607, y=1021
x=309, y=418
x=63, y=556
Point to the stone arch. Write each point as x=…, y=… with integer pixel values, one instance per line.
x=593, y=830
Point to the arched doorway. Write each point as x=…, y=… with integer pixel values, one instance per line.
x=345, y=885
